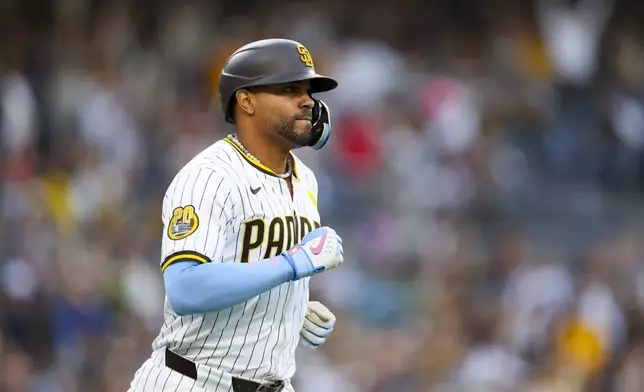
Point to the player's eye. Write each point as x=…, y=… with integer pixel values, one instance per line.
x=289, y=89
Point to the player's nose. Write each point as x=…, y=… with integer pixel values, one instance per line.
x=306, y=102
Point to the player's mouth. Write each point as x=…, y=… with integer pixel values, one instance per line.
x=304, y=124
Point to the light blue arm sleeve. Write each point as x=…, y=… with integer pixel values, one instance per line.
x=194, y=288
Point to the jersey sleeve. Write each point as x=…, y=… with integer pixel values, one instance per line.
x=196, y=210
x=309, y=180
x=312, y=186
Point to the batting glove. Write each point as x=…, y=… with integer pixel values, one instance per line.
x=318, y=325
x=320, y=250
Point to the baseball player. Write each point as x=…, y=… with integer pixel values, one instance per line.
x=242, y=235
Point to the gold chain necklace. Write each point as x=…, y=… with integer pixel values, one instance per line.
x=289, y=164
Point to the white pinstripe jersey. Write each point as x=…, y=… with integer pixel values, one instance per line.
x=224, y=208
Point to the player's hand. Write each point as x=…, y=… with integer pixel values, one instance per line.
x=320, y=250
x=318, y=325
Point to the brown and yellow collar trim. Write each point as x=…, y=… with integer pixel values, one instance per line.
x=258, y=165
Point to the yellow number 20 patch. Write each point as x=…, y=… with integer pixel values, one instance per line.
x=305, y=56
x=183, y=223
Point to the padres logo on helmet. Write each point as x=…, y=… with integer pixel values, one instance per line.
x=305, y=56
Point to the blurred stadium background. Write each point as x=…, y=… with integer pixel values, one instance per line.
x=486, y=173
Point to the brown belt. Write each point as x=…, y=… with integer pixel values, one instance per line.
x=189, y=369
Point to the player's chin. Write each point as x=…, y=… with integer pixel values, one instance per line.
x=302, y=132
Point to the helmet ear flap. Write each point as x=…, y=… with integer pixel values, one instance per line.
x=321, y=129
x=316, y=110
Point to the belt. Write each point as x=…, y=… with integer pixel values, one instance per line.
x=189, y=369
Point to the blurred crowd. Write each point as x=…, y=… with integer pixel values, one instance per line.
x=485, y=172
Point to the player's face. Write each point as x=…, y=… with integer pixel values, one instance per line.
x=286, y=110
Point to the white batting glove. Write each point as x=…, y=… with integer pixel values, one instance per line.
x=318, y=325
x=320, y=250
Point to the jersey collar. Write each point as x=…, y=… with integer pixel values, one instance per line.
x=258, y=165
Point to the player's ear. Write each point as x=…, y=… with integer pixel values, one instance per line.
x=245, y=101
